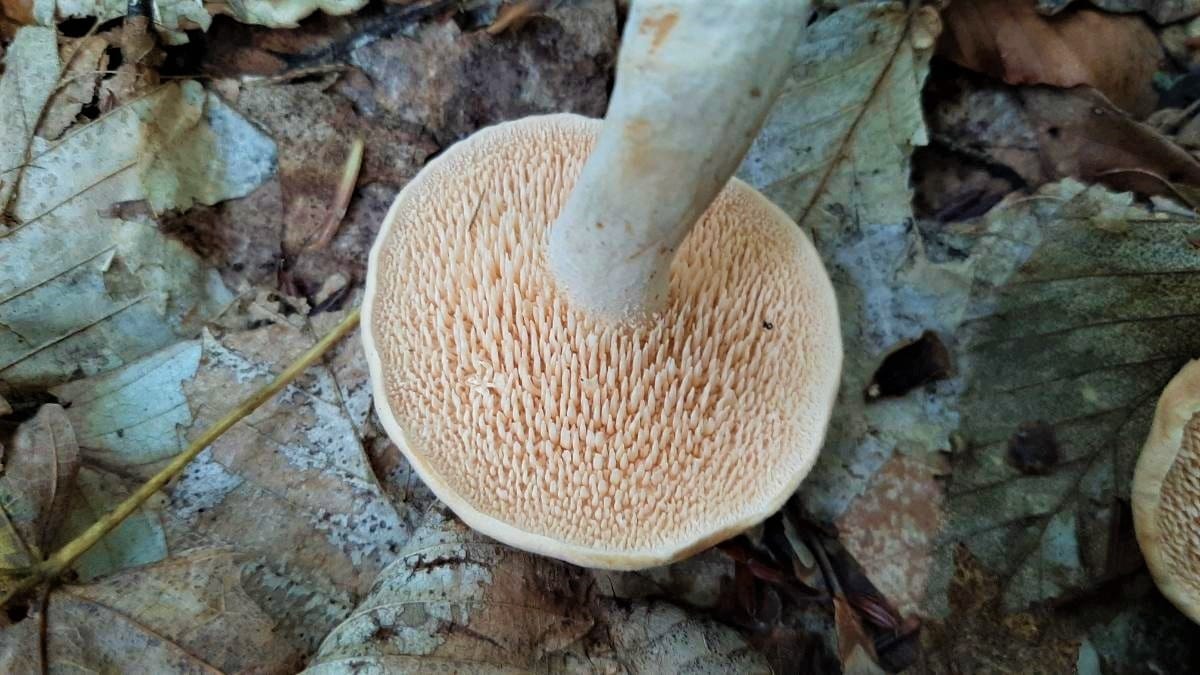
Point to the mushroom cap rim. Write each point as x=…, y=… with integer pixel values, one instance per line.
x=585, y=556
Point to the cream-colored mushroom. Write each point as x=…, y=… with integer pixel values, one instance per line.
x=586, y=338
x=1166, y=493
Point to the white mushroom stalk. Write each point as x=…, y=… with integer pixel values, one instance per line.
x=695, y=81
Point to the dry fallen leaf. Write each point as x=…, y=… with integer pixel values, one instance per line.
x=289, y=487
x=458, y=601
x=835, y=155
x=1065, y=347
x=86, y=60
x=1162, y=11
x=1081, y=135
x=40, y=465
x=49, y=493
x=83, y=291
x=1008, y=40
x=184, y=615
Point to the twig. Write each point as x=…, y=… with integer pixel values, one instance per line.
x=51, y=567
x=341, y=200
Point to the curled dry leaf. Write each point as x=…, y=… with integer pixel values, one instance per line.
x=86, y=58
x=188, y=614
x=82, y=291
x=992, y=138
x=49, y=493
x=1081, y=135
x=1009, y=40
x=40, y=464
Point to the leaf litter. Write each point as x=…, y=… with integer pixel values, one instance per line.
x=150, y=291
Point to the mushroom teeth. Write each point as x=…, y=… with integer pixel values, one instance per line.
x=608, y=444
x=1166, y=493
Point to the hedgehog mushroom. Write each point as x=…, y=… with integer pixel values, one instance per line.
x=590, y=341
x=1166, y=493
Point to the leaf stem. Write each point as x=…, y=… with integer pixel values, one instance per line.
x=61, y=559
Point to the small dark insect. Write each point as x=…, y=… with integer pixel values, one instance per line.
x=768, y=325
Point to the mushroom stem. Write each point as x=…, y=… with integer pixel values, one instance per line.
x=695, y=81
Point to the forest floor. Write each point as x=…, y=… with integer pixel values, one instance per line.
x=1003, y=192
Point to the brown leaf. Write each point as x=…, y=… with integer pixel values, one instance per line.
x=39, y=468
x=855, y=648
x=1162, y=11
x=20, y=11
x=85, y=59
x=184, y=615
x=1009, y=40
x=513, y=16
x=904, y=496
x=1081, y=135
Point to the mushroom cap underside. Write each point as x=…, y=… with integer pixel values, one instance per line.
x=1166, y=493
x=617, y=445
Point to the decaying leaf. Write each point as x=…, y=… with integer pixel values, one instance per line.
x=1081, y=135
x=138, y=540
x=1009, y=40
x=458, y=601
x=992, y=138
x=184, y=615
x=49, y=494
x=893, y=528
x=289, y=487
x=25, y=91
x=40, y=464
x=1162, y=11
x=85, y=61
x=134, y=416
x=835, y=155
x=83, y=291
x=647, y=638
x=171, y=18
x=1080, y=337
x=453, y=83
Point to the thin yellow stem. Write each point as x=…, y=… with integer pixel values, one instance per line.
x=61, y=559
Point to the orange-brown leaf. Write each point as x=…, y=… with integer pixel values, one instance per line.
x=1008, y=40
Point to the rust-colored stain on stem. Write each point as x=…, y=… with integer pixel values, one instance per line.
x=661, y=27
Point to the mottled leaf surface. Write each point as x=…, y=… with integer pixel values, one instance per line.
x=458, y=601
x=1081, y=338
x=289, y=487
x=835, y=154
x=83, y=290
x=188, y=614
